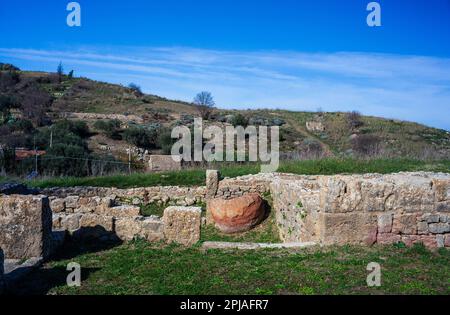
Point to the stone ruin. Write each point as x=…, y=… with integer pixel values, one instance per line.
x=325, y=210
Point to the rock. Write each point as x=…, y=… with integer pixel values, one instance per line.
x=422, y=228
x=440, y=239
x=447, y=240
x=120, y=211
x=58, y=205
x=212, y=183
x=2, y=271
x=128, y=228
x=405, y=224
x=385, y=223
x=428, y=241
x=388, y=238
x=182, y=225
x=93, y=220
x=70, y=222
x=72, y=202
x=25, y=226
x=238, y=214
x=439, y=228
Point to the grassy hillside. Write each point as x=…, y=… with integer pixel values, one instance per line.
x=37, y=101
x=398, y=138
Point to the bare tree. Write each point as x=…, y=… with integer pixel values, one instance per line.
x=204, y=103
x=354, y=120
x=136, y=89
x=60, y=72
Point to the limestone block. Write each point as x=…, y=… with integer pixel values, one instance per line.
x=349, y=228
x=439, y=228
x=212, y=183
x=25, y=226
x=388, y=238
x=182, y=224
x=94, y=220
x=385, y=223
x=405, y=224
x=70, y=222
x=58, y=205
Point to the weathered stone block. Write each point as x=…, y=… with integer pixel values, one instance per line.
x=349, y=228
x=388, y=238
x=442, y=189
x=25, y=226
x=422, y=228
x=58, y=205
x=119, y=211
x=428, y=241
x=2, y=271
x=447, y=240
x=440, y=240
x=72, y=202
x=405, y=224
x=70, y=222
x=439, y=228
x=212, y=183
x=128, y=228
x=385, y=223
x=182, y=225
x=93, y=220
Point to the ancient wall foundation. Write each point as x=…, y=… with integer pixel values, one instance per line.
x=364, y=209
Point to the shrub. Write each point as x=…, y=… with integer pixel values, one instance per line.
x=354, y=120
x=366, y=145
x=111, y=128
x=136, y=89
x=140, y=137
x=239, y=120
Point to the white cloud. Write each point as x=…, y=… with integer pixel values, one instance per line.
x=413, y=88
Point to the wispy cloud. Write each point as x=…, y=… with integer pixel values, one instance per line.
x=413, y=88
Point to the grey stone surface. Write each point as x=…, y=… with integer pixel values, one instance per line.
x=249, y=246
x=182, y=225
x=26, y=226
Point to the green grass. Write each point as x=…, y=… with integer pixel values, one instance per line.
x=142, y=268
x=196, y=177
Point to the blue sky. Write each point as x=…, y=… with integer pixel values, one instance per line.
x=298, y=55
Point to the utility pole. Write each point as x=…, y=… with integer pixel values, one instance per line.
x=35, y=157
x=129, y=160
x=51, y=137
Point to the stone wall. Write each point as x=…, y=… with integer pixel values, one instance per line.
x=2, y=271
x=25, y=226
x=173, y=195
x=364, y=209
x=236, y=187
x=158, y=163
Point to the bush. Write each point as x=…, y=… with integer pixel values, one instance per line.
x=136, y=89
x=366, y=145
x=239, y=120
x=354, y=120
x=141, y=138
x=111, y=128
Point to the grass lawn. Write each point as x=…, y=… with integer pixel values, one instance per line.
x=142, y=268
x=196, y=177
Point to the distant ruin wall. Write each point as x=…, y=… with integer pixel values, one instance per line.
x=364, y=209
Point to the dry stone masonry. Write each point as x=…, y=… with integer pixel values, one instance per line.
x=364, y=209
